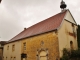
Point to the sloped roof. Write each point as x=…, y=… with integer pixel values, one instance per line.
x=46, y=25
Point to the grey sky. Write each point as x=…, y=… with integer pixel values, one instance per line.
x=17, y=14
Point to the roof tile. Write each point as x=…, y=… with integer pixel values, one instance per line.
x=46, y=25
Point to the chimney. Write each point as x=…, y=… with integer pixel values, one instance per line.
x=24, y=28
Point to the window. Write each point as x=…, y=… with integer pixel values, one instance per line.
x=11, y=58
x=7, y=47
x=73, y=27
x=24, y=46
x=13, y=47
x=6, y=58
x=14, y=58
x=71, y=45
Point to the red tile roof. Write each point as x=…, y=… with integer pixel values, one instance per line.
x=47, y=25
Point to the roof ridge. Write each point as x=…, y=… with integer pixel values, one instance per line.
x=46, y=25
x=47, y=18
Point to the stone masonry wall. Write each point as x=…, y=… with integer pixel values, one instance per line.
x=47, y=41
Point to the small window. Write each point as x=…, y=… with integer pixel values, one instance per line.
x=73, y=27
x=7, y=47
x=14, y=58
x=24, y=46
x=6, y=58
x=11, y=58
x=71, y=45
x=13, y=47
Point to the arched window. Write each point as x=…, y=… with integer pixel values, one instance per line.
x=43, y=55
x=71, y=45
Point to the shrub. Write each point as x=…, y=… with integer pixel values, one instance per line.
x=66, y=54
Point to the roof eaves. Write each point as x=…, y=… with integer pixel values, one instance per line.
x=31, y=36
x=72, y=16
x=62, y=20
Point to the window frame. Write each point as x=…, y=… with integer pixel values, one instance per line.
x=71, y=45
x=13, y=47
x=14, y=58
x=24, y=46
x=8, y=47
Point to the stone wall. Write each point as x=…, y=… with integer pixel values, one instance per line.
x=47, y=42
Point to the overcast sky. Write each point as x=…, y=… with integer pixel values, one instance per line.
x=15, y=15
